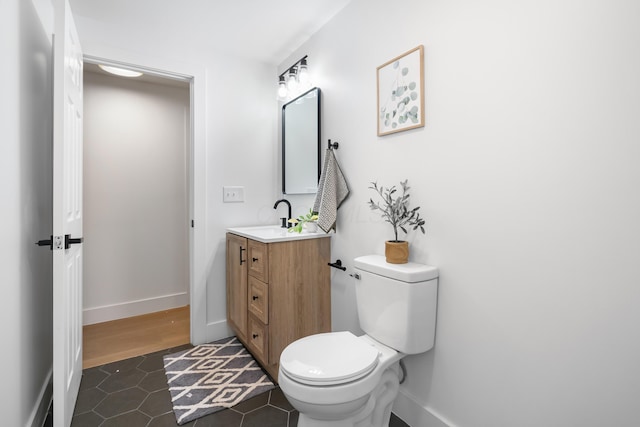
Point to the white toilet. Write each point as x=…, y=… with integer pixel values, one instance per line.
x=340, y=380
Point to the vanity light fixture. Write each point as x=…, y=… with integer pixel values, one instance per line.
x=120, y=71
x=294, y=81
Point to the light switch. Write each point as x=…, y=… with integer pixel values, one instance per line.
x=232, y=194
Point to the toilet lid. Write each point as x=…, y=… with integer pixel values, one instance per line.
x=326, y=359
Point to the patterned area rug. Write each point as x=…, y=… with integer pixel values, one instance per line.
x=211, y=377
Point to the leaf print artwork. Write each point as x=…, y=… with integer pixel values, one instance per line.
x=400, y=93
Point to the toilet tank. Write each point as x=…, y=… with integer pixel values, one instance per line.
x=397, y=302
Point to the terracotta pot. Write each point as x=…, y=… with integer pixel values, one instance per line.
x=396, y=252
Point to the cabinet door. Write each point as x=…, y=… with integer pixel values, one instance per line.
x=237, y=284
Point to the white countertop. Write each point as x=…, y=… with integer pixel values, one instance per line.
x=275, y=233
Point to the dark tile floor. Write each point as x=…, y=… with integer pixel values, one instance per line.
x=134, y=393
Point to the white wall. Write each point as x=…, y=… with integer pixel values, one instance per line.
x=136, y=138
x=25, y=217
x=527, y=174
x=235, y=144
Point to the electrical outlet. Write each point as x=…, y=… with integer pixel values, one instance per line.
x=233, y=194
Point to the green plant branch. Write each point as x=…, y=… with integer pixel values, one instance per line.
x=298, y=223
x=396, y=210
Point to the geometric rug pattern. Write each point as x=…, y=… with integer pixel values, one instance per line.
x=211, y=377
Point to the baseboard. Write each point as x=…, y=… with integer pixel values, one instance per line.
x=41, y=407
x=134, y=308
x=413, y=413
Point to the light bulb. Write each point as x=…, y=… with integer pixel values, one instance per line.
x=292, y=81
x=282, y=88
x=303, y=74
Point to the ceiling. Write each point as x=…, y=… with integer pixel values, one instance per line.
x=265, y=30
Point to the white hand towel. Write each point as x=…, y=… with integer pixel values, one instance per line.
x=332, y=191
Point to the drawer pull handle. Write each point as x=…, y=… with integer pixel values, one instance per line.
x=254, y=259
x=242, y=260
x=254, y=297
x=255, y=336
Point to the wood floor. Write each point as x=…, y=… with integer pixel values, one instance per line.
x=124, y=338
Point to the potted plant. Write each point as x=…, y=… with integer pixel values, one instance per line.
x=394, y=208
x=307, y=221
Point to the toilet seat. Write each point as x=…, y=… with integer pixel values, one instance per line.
x=328, y=359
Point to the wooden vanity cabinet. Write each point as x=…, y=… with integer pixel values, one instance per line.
x=277, y=293
x=236, y=291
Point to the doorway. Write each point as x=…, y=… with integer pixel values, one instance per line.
x=136, y=197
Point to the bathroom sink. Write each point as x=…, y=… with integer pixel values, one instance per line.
x=274, y=233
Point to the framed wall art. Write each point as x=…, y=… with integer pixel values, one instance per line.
x=401, y=92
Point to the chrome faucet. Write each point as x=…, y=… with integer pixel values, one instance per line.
x=284, y=220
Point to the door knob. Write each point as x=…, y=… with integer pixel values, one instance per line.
x=68, y=241
x=46, y=242
x=56, y=242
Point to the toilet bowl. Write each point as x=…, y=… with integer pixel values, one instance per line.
x=337, y=392
x=338, y=379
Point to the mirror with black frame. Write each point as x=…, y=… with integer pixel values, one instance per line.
x=301, y=144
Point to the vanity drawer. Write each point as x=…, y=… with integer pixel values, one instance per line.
x=258, y=257
x=258, y=338
x=258, y=301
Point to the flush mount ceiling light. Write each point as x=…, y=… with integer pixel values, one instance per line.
x=294, y=81
x=120, y=71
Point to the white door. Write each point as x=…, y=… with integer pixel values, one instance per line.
x=67, y=216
